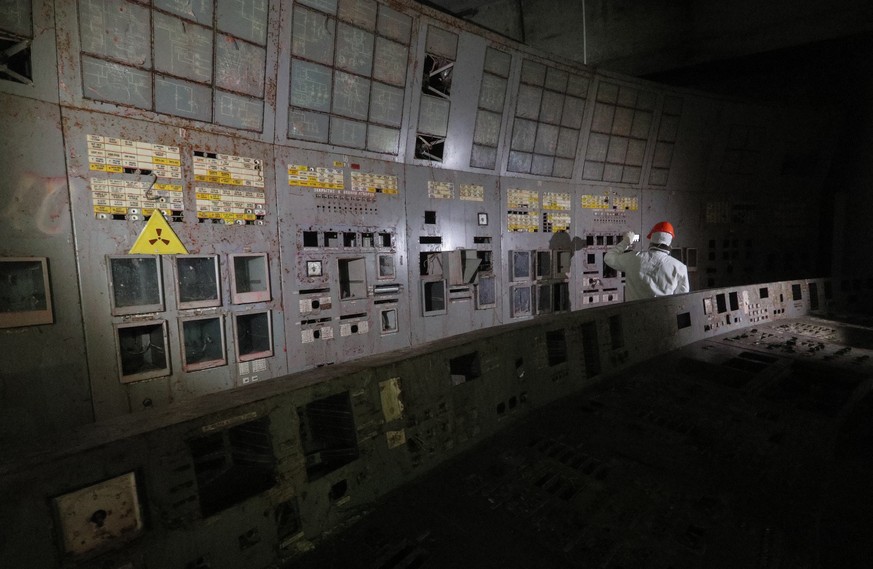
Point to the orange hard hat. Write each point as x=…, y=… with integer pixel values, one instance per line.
x=663, y=226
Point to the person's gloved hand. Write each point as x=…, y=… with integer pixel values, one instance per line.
x=629, y=237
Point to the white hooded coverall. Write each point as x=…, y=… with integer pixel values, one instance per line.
x=648, y=273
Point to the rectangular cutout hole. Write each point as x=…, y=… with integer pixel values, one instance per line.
x=203, y=340
x=233, y=465
x=17, y=64
x=197, y=281
x=521, y=301
x=136, y=284
x=310, y=238
x=388, y=320
x=683, y=320
x=556, y=346
x=796, y=292
x=386, y=266
x=764, y=292
x=721, y=303
x=813, y=296
x=352, y=278
x=254, y=336
x=428, y=147
x=465, y=368
x=486, y=292
x=520, y=265
x=691, y=257
x=561, y=297
x=331, y=239
x=385, y=240
x=433, y=297
x=25, y=295
x=430, y=263
x=350, y=239
x=288, y=523
x=485, y=261
x=544, y=263
x=616, y=331
x=367, y=240
x=142, y=351
x=544, y=298
x=430, y=217
x=734, y=300
x=251, y=278
x=328, y=434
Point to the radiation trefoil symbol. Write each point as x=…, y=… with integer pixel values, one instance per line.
x=158, y=238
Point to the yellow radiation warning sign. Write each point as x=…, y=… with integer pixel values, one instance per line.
x=157, y=238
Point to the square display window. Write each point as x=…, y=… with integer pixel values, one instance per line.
x=142, y=350
x=135, y=284
x=544, y=264
x=388, y=320
x=520, y=265
x=386, y=267
x=203, y=343
x=25, y=296
x=521, y=301
x=253, y=335
x=352, y=278
x=544, y=298
x=251, y=278
x=486, y=292
x=197, y=281
x=433, y=297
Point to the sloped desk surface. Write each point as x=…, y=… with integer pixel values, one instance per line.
x=752, y=449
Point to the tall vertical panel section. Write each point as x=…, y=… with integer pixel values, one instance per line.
x=35, y=229
x=344, y=256
x=166, y=327
x=539, y=247
x=454, y=246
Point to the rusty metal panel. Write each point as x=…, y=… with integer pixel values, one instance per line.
x=217, y=194
x=341, y=229
x=604, y=213
x=540, y=247
x=455, y=250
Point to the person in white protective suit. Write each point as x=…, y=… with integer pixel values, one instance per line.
x=649, y=273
